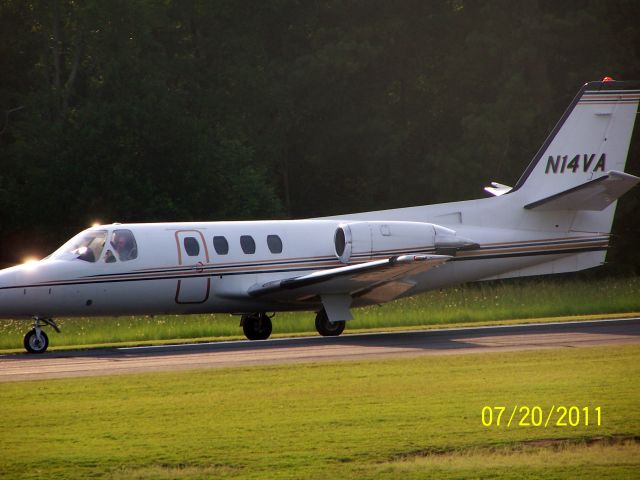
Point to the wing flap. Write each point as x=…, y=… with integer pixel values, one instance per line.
x=385, y=279
x=595, y=195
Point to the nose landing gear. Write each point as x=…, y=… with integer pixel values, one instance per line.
x=36, y=341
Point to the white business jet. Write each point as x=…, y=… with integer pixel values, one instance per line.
x=557, y=218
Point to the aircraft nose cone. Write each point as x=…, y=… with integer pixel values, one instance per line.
x=7, y=278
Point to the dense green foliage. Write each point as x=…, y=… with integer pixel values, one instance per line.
x=179, y=110
x=405, y=418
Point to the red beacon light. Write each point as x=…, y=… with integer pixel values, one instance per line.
x=607, y=79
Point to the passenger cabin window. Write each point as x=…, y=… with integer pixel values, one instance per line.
x=248, y=244
x=274, y=243
x=221, y=245
x=191, y=246
x=124, y=246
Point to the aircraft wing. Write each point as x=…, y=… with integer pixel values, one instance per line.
x=377, y=281
x=596, y=195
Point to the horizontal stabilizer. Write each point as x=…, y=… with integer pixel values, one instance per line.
x=382, y=276
x=595, y=195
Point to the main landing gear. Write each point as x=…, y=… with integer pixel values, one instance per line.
x=256, y=326
x=327, y=328
x=36, y=341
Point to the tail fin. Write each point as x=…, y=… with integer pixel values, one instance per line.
x=579, y=167
x=591, y=138
x=571, y=186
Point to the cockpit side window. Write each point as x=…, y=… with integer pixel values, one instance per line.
x=124, y=244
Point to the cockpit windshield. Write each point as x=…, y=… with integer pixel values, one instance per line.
x=85, y=246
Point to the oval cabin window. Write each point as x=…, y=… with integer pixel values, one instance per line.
x=248, y=244
x=220, y=245
x=191, y=246
x=274, y=243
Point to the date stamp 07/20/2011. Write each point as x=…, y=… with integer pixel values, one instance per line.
x=524, y=416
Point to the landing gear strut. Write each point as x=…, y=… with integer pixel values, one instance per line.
x=36, y=341
x=256, y=326
x=327, y=328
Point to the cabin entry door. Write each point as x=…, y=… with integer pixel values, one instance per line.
x=193, y=284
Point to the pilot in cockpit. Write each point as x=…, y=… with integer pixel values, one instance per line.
x=109, y=257
x=124, y=245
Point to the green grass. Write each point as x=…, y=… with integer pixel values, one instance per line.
x=568, y=460
x=480, y=302
x=408, y=418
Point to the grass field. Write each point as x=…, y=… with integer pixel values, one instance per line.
x=480, y=302
x=406, y=418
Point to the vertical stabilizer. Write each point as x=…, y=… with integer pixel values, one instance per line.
x=587, y=150
x=591, y=139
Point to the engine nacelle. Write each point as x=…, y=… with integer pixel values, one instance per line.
x=362, y=241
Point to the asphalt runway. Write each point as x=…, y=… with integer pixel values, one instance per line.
x=455, y=341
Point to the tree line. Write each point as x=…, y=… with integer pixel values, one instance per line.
x=153, y=110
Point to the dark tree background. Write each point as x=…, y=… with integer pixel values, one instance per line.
x=208, y=110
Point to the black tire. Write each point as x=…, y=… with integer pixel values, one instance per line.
x=327, y=328
x=33, y=345
x=257, y=327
